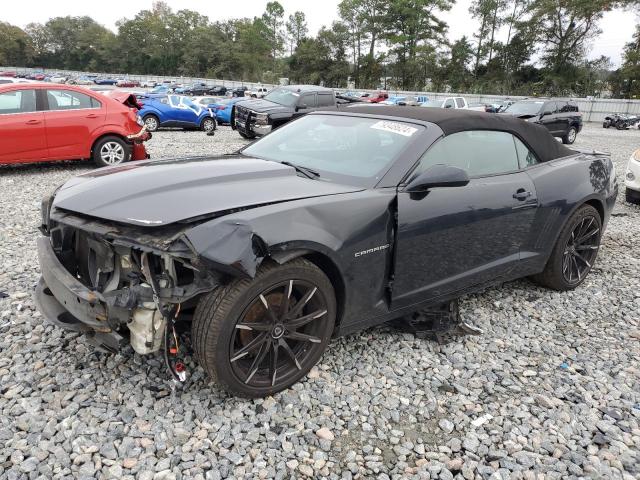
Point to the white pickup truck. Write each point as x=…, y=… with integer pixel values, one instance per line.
x=450, y=102
x=257, y=92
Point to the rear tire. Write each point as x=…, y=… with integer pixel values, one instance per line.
x=571, y=260
x=570, y=136
x=244, y=333
x=111, y=150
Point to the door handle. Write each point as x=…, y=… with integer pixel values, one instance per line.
x=92, y=115
x=521, y=194
x=33, y=122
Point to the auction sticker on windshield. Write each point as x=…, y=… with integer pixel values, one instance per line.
x=395, y=127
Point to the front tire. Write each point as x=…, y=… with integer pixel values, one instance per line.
x=248, y=136
x=575, y=251
x=632, y=196
x=208, y=124
x=570, y=136
x=111, y=150
x=151, y=122
x=255, y=337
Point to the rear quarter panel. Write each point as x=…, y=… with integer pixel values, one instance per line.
x=562, y=186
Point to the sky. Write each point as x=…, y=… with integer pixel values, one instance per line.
x=617, y=27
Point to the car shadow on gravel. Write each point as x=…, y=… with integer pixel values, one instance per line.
x=73, y=166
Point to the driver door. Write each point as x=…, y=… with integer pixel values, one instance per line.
x=308, y=101
x=453, y=238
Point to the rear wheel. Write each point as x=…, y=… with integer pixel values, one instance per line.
x=575, y=251
x=111, y=151
x=258, y=336
x=570, y=136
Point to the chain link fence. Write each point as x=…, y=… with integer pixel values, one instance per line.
x=593, y=110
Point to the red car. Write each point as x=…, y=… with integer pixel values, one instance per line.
x=378, y=97
x=8, y=74
x=44, y=122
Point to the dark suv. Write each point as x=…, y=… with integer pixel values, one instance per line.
x=561, y=117
x=257, y=117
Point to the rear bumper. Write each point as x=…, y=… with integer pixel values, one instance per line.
x=68, y=304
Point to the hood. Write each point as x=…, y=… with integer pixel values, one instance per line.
x=161, y=192
x=264, y=106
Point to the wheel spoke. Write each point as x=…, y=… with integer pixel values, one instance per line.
x=284, y=306
x=295, y=311
x=252, y=345
x=587, y=236
x=264, y=349
x=273, y=371
x=302, y=337
x=587, y=247
x=575, y=263
x=262, y=327
x=584, y=260
x=285, y=346
x=299, y=322
x=270, y=313
x=565, y=263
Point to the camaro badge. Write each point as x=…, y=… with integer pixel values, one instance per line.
x=371, y=250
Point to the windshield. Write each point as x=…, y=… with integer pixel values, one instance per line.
x=283, y=96
x=524, y=108
x=433, y=103
x=343, y=149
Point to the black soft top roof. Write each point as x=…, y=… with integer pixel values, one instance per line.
x=535, y=136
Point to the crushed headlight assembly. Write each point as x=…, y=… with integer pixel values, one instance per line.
x=139, y=121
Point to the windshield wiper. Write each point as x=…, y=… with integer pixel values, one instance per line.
x=307, y=172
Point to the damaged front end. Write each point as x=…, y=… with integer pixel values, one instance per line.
x=118, y=283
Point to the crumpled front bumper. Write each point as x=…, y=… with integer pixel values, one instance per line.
x=68, y=304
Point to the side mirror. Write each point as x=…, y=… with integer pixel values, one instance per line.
x=544, y=114
x=438, y=176
x=302, y=106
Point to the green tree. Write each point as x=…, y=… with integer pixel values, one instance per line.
x=273, y=19
x=630, y=71
x=16, y=48
x=296, y=29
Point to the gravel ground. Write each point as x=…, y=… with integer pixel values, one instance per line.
x=550, y=390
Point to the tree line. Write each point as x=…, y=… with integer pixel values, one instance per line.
x=521, y=47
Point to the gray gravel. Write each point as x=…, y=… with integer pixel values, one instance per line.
x=550, y=390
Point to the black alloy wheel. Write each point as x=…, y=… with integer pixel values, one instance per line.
x=277, y=333
x=581, y=249
x=575, y=251
x=255, y=337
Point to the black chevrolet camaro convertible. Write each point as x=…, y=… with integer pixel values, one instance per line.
x=335, y=222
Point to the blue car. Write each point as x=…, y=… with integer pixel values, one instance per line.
x=175, y=111
x=221, y=107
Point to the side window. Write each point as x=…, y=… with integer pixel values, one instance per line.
x=18, y=101
x=526, y=158
x=550, y=107
x=449, y=103
x=564, y=107
x=479, y=152
x=68, y=100
x=460, y=102
x=309, y=100
x=325, y=100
